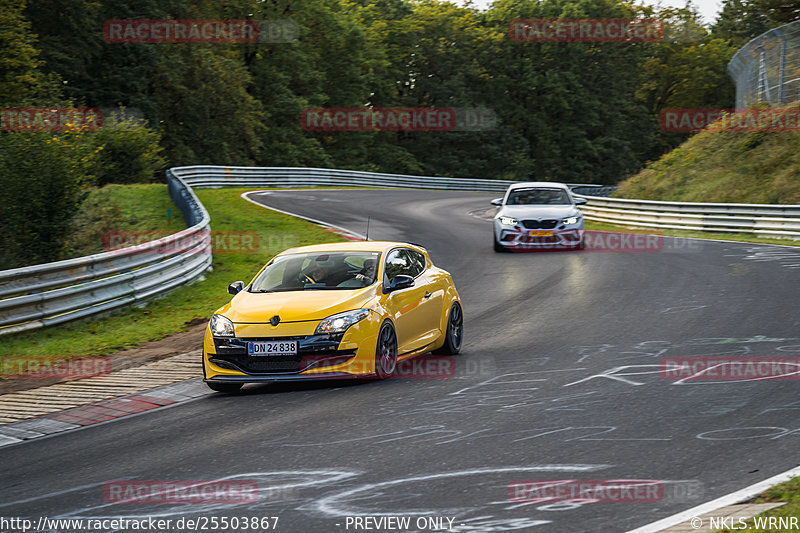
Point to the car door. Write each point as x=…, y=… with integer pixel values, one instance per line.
x=432, y=297
x=406, y=305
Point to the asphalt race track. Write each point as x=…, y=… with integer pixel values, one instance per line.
x=559, y=379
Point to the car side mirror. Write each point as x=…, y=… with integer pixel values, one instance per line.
x=236, y=287
x=400, y=281
x=580, y=201
x=497, y=202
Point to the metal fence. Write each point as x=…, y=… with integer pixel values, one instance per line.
x=782, y=221
x=53, y=293
x=218, y=176
x=767, y=69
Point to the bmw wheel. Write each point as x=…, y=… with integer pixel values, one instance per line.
x=499, y=248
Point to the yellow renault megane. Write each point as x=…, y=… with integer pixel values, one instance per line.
x=342, y=310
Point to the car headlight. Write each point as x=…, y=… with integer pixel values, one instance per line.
x=571, y=220
x=221, y=326
x=508, y=221
x=339, y=322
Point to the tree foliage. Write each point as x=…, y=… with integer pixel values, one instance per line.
x=576, y=112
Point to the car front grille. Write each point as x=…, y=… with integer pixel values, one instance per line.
x=279, y=364
x=313, y=351
x=540, y=224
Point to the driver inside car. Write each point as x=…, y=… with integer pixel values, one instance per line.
x=367, y=274
x=317, y=272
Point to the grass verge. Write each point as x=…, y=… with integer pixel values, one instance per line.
x=144, y=208
x=121, y=208
x=230, y=216
x=789, y=492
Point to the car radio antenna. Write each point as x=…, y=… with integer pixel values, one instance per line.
x=366, y=236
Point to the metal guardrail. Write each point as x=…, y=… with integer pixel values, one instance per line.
x=781, y=221
x=219, y=176
x=53, y=293
x=771, y=220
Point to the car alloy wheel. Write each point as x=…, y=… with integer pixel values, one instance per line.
x=386, y=352
x=454, y=335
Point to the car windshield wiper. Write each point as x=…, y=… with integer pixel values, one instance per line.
x=278, y=290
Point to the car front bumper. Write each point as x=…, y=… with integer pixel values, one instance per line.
x=520, y=238
x=341, y=356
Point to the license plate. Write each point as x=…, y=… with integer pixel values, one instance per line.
x=540, y=234
x=272, y=348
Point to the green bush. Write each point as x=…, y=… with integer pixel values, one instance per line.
x=129, y=152
x=43, y=177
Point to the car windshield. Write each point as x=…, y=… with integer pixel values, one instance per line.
x=538, y=196
x=318, y=270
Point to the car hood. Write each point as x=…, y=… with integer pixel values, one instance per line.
x=294, y=306
x=521, y=212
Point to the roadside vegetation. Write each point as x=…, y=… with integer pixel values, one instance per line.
x=788, y=492
x=720, y=165
x=573, y=112
x=230, y=216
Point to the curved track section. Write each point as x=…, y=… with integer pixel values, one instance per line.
x=559, y=380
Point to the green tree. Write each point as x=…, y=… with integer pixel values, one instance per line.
x=44, y=177
x=206, y=113
x=739, y=21
x=21, y=81
x=779, y=11
x=127, y=151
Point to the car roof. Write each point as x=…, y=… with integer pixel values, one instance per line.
x=351, y=246
x=536, y=184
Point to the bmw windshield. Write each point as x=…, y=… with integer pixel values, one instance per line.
x=538, y=196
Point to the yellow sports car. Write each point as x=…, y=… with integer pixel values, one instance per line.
x=343, y=310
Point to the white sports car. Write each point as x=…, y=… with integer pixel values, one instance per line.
x=536, y=215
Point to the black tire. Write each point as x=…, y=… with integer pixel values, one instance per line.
x=386, y=351
x=499, y=248
x=454, y=336
x=224, y=387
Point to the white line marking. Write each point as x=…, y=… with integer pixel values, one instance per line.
x=313, y=220
x=729, y=499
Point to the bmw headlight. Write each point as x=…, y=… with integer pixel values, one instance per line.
x=571, y=220
x=508, y=221
x=339, y=322
x=221, y=326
